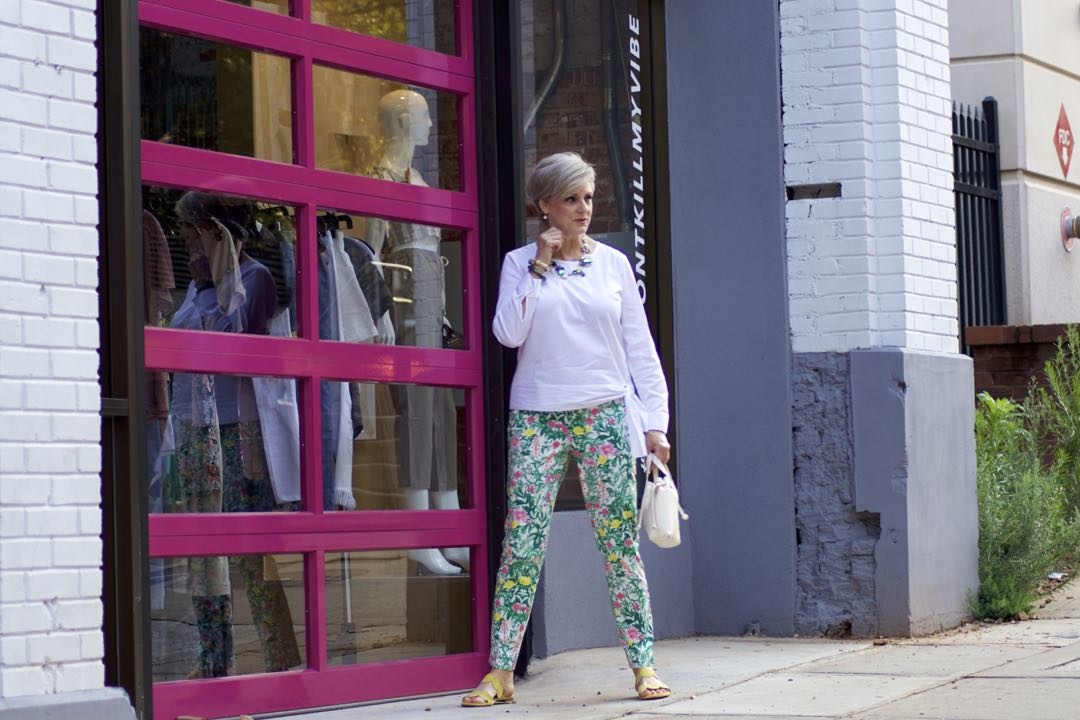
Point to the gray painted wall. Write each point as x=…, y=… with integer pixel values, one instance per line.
x=836, y=543
x=732, y=383
x=574, y=595
x=913, y=417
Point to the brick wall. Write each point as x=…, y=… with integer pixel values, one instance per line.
x=866, y=104
x=50, y=453
x=1008, y=357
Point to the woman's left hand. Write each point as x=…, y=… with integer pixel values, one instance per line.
x=657, y=443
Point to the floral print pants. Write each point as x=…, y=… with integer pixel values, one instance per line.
x=540, y=443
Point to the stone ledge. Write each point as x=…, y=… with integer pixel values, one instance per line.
x=104, y=704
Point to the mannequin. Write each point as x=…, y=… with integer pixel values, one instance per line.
x=426, y=415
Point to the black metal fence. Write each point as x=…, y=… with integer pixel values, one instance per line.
x=979, y=231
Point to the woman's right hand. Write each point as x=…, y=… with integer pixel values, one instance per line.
x=547, y=244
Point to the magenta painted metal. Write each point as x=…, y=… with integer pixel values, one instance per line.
x=311, y=531
x=237, y=25
x=309, y=688
x=176, y=165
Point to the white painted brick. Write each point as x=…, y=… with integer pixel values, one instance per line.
x=51, y=521
x=24, y=362
x=24, y=553
x=25, y=44
x=12, y=522
x=53, y=648
x=73, y=677
x=89, y=459
x=25, y=171
x=90, y=521
x=71, y=427
x=73, y=302
x=52, y=584
x=77, y=552
x=48, y=269
x=76, y=178
x=48, y=80
x=77, y=489
x=53, y=207
x=79, y=615
x=45, y=16
x=76, y=116
x=28, y=427
x=90, y=583
x=73, y=240
x=74, y=363
x=13, y=650
x=72, y=54
x=23, y=681
x=48, y=332
x=51, y=458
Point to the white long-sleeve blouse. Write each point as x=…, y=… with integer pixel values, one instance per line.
x=582, y=340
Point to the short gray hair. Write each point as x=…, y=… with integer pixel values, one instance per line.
x=557, y=175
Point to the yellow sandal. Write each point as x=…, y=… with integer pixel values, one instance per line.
x=485, y=699
x=646, y=690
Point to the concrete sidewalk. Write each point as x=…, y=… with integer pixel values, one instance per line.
x=1019, y=671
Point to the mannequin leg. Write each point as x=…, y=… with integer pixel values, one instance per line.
x=448, y=500
x=429, y=558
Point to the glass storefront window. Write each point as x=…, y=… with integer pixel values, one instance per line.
x=390, y=282
x=393, y=446
x=280, y=7
x=207, y=95
x=427, y=24
x=379, y=128
x=226, y=615
x=218, y=262
x=385, y=605
x=222, y=443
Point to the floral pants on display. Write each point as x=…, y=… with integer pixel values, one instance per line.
x=540, y=443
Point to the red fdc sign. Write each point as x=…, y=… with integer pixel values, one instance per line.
x=1063, y=141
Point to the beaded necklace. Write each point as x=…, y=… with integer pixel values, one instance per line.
x=585, y=261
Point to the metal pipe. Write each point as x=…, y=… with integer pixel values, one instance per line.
x=1070, y=226
x=558, y=19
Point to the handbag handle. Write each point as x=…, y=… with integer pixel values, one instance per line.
x=653, y=465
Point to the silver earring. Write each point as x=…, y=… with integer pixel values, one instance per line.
x=543, y=216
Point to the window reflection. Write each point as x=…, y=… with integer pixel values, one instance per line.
x=220, y=443
x=393, y=447
x=392, y=282
x=207, y=95
x=383, y=605
x=427, y=24
x=221, y=616
x=370, y=126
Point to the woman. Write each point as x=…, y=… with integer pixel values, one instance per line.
x=588, y=384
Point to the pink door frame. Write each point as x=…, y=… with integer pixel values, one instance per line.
x=312, y=532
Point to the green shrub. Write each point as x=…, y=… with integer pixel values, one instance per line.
x=1026, y=528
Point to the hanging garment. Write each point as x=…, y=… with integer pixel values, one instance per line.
x=279, y=417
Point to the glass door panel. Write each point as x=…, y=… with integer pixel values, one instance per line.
x=202, y=94
x=392, y=604
x=427, y=24
x=226, y=615
x=405, y=277
x=393, y=447
x=384, y=129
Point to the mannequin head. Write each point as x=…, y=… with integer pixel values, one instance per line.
x=404, y=117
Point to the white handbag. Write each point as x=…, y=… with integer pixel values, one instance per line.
x=660, y=508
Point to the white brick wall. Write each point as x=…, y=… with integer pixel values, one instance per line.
x=867, y=104
x=50, y=453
